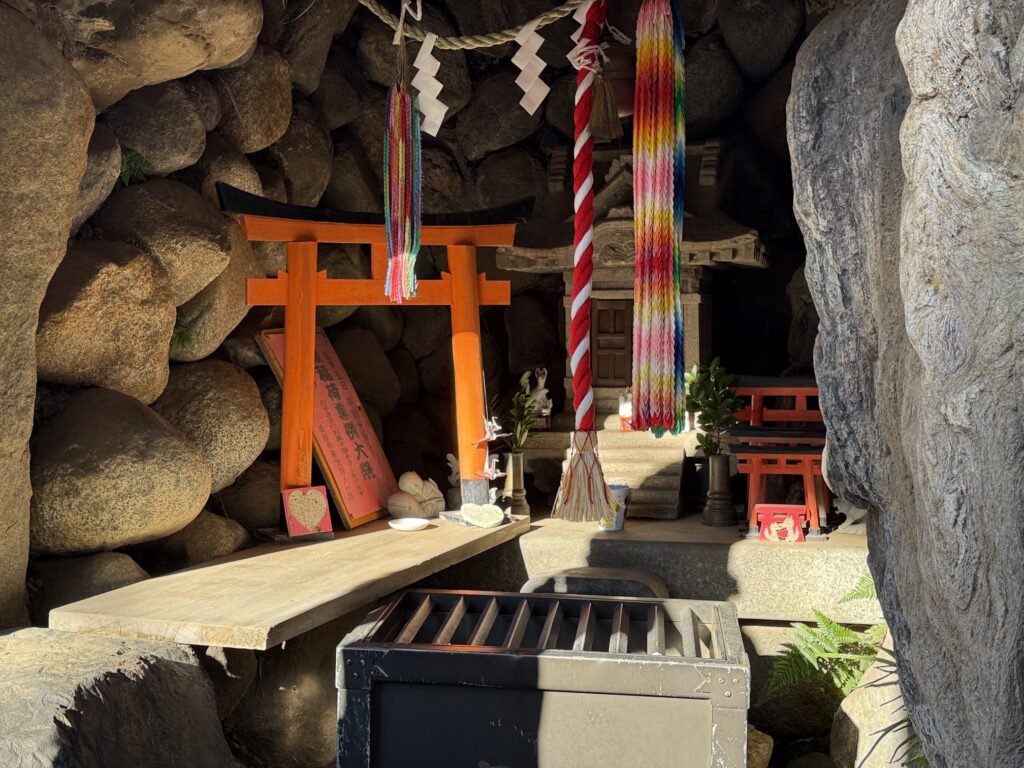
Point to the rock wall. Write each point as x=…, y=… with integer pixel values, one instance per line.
x=908, y=190
x=46, y=119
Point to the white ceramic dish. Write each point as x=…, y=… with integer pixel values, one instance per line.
x=409, y=523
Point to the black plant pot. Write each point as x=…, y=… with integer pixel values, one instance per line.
x=719, y=511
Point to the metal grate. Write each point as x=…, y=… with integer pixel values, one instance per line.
x=513, y=622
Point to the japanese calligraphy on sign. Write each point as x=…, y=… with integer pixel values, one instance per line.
x=344, y=443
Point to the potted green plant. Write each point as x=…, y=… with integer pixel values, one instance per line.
x=710, y=395
x=521, y=418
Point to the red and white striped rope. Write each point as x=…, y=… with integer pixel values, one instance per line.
x=583, y=204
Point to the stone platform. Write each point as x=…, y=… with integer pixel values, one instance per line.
x=768, y=582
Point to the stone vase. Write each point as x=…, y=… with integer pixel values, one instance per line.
x=515, y=487
x=719, y=510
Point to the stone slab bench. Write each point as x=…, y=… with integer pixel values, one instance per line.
x=266, y=595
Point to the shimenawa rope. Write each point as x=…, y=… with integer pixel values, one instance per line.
x=468, y=42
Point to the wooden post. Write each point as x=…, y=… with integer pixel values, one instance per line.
x=469, y=372
x=299, y=372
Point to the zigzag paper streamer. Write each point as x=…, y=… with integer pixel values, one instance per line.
x=526, y=58
x=429, y=87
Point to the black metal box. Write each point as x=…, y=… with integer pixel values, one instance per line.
x=442, y=679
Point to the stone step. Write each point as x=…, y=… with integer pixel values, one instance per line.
x=668, y=484
x=619, y=468
x=652, y=495
x=659, y=511
x=613, y=439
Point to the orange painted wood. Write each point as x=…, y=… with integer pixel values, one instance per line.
x=299, y=360
x=265, y=228
x=759, y=466
x=758, y=414
x=379, y=261
x=470, y=409
x=273, y=291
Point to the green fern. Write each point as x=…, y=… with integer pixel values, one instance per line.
x=834, y=657
x=865, y=590
x=134, y=167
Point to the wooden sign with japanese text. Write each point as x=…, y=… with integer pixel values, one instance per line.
x=344, y=443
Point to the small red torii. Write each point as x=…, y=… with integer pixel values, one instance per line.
x=302, y=288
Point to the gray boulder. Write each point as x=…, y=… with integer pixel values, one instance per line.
x=288, y=717
x=244, y=352
x=444, y=189
x=186, y=235
x=493, y=119
x=367, y=366
x=341, y=262
x=271, y=394
x=337, y=97
x=558, y=106
x=206, y=538
x=161, y=124
x=222, y=161
x=509, y=176
x=354, y=186
x=765, y=113
x=59, y=581
x=123, y=46
x=914, y=355
x=203, y=95
x=386, y=323
x=107, y=472
x=432, y=327
x=256, y=99
x=106, y=321
x=437, y=369
x=307, y=30
x=101, y=174
x=217, y=406
x=254, y=499
x=303, y=154
x=206, y=320
x=803, y=322
x=760, y=32
x=72, y=699
x=870, y=727
x=46, y=118
x=376, y=54
x=714, y=85
x=366, y=132
x=232, y=671
x=408, y=374
x=533, y=340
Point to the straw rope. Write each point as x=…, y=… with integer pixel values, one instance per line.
x=469, y=42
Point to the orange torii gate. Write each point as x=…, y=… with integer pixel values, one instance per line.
x=302, y=288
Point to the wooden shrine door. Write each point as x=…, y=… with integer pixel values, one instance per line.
x=612, y=342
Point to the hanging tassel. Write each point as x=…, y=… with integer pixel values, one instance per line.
x=659, y=158
x=403, y=183
x=604, y=119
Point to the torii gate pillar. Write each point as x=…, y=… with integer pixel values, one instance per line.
x=301, y=289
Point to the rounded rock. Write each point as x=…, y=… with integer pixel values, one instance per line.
x=217, y=406
x=107, y=472
x=64, y=580
x=368, y=368
x=160, y=124
x=254, y=499
x=206, y=320
x=303, y=154
x=257, y=99
x=106, y=321
x=186, y=235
